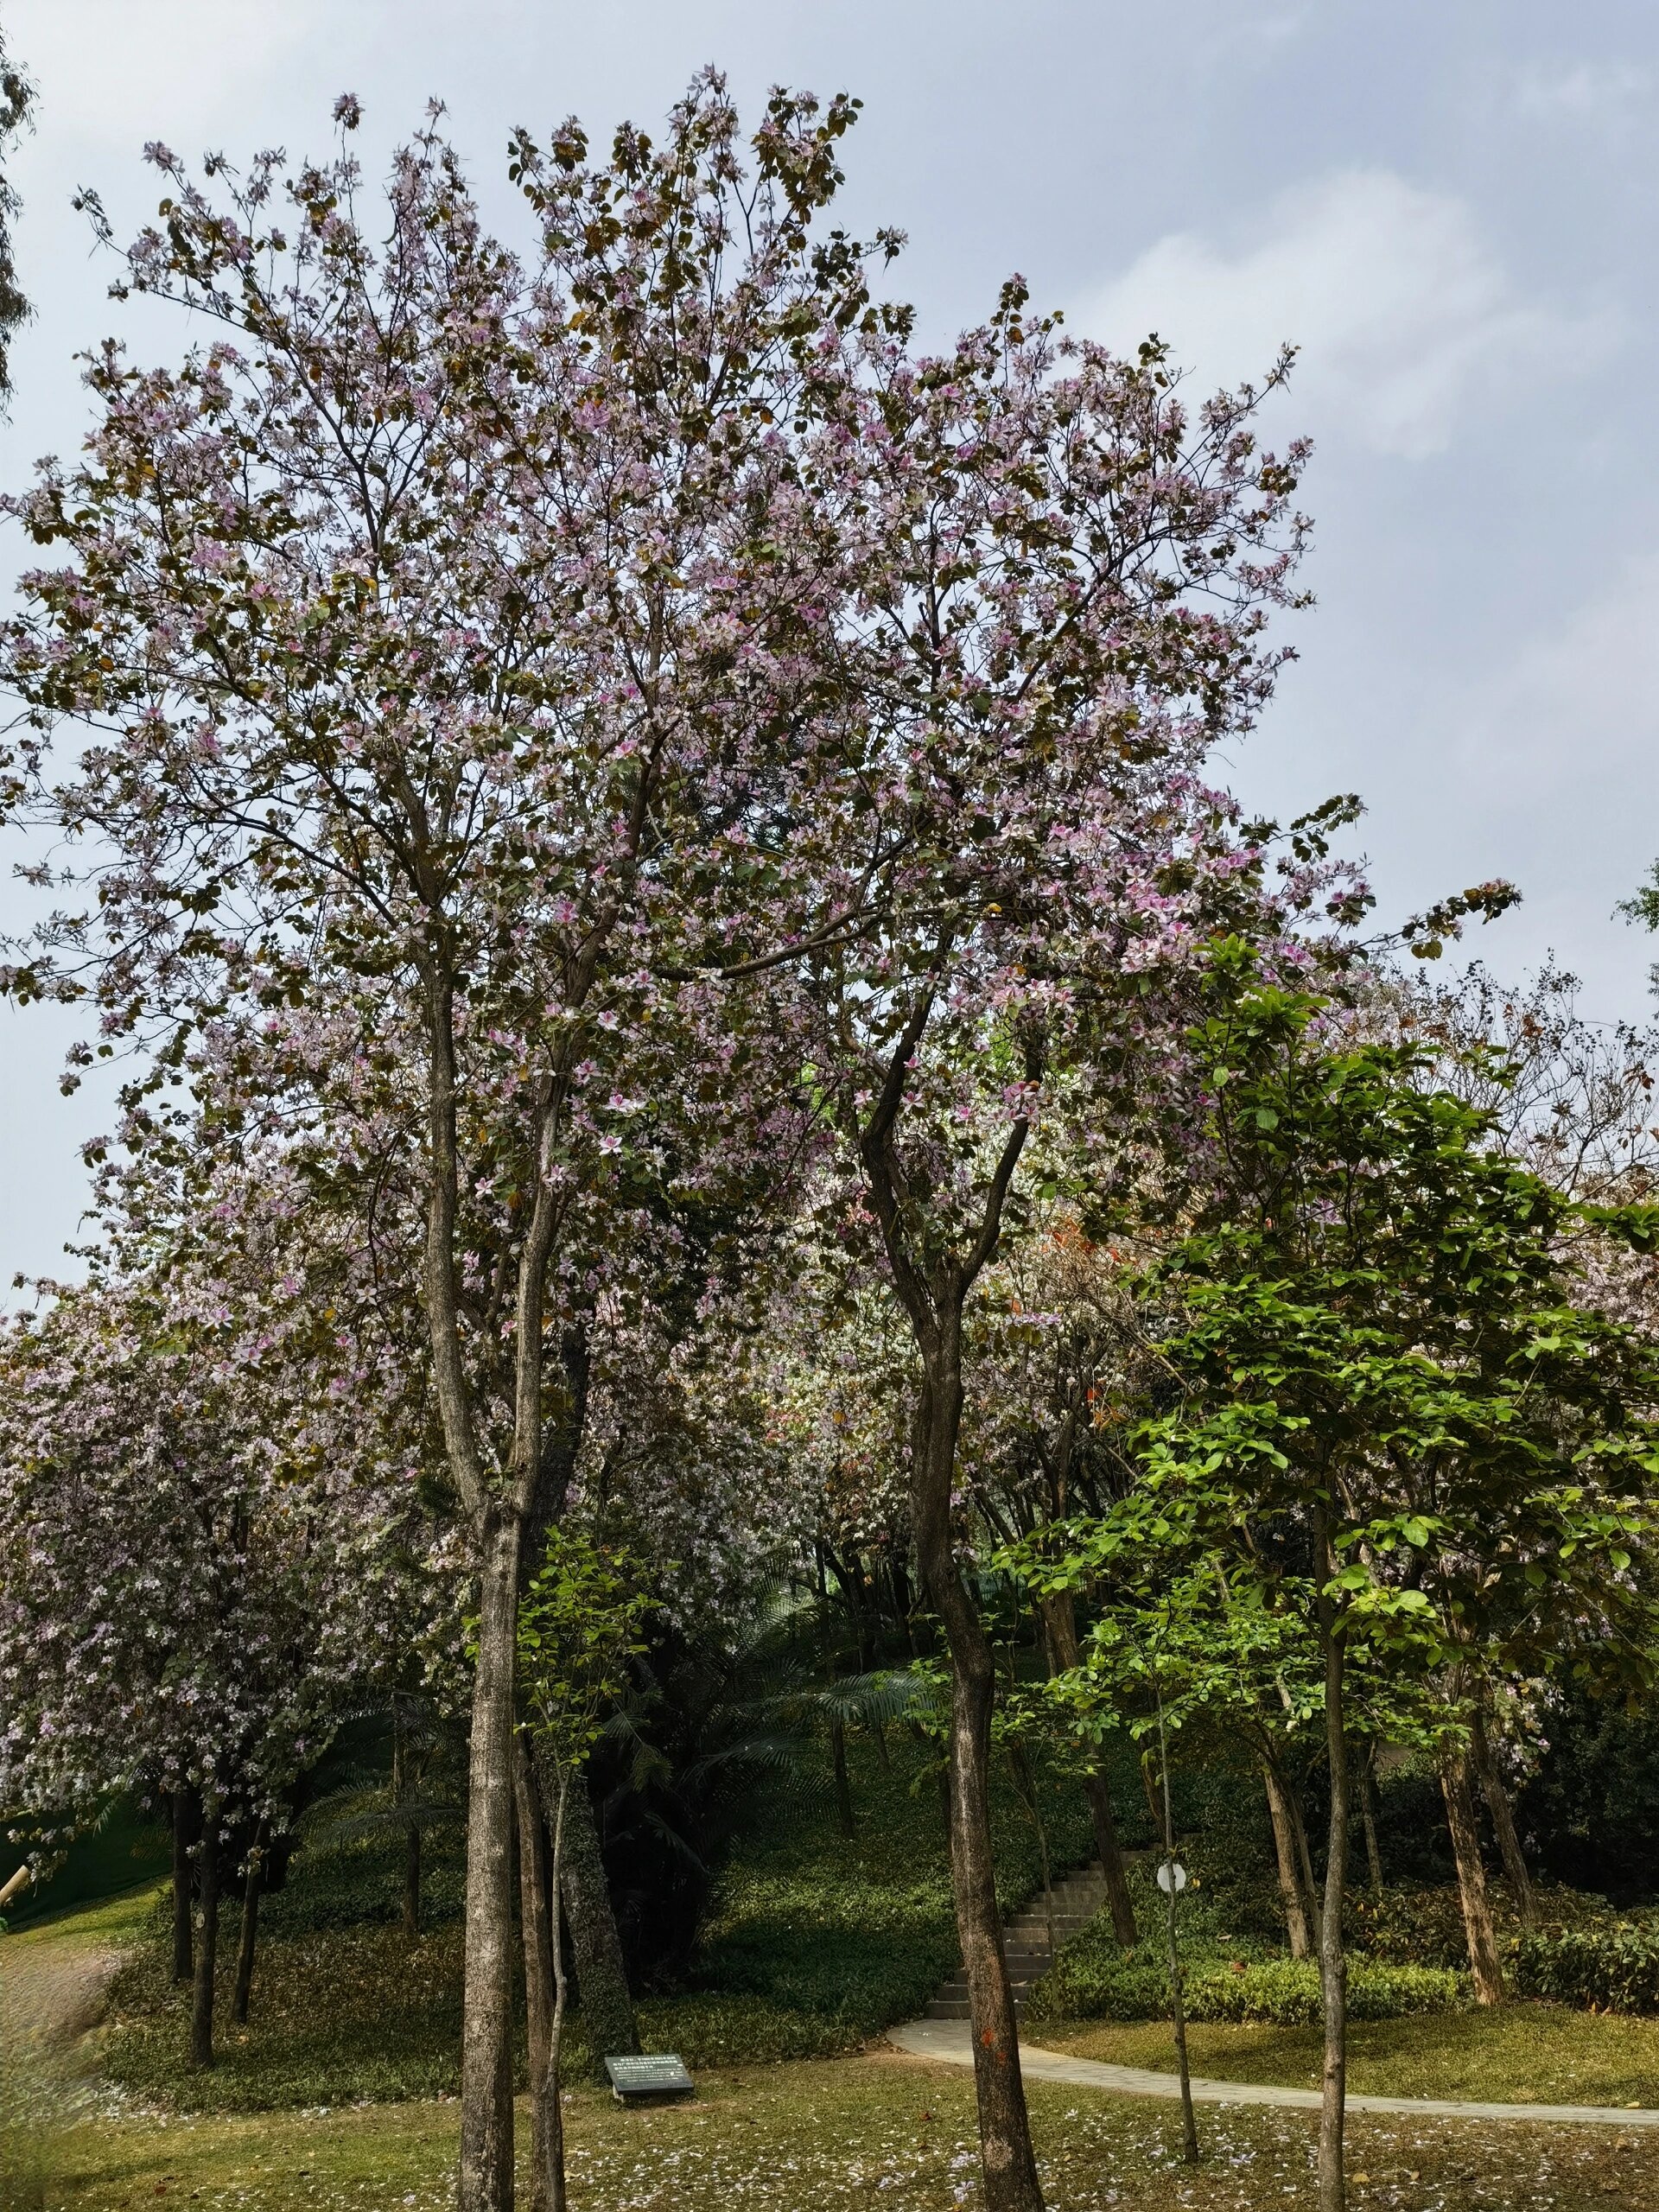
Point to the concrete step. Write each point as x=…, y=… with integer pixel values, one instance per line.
x=1077, y=1898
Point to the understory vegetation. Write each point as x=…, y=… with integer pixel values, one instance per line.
x=811, y=1944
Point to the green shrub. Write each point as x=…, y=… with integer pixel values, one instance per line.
x=1286, y=1992
x=1613, y=1966
x=1226, y=1978
x=1424, y=1926
x=1092, y=1984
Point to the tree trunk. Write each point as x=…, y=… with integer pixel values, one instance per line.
x=251, y=1890
x=412, y=1880
x=535, y=1918
x=844, y=1787
x=201, y=2009
x=1497, y=1804
x=400, y=1791
x=1177, y=2000
x=1061, y=1620
x=601, y=1975
x=553, y=2170
x=1110, y=1853
x=1367, y=1813
x=1299, y=1916
x=1007, y=2162
x=186, y=1827
x=486, y=2176
x=1471, y=1878
x=1333, y=1965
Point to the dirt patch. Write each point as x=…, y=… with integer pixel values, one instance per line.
x=53, y=1992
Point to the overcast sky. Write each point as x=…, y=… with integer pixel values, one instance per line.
x=1448, y=205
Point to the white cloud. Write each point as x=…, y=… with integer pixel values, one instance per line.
x=1581, y=91
x=1403, y=314
x=1573, y=716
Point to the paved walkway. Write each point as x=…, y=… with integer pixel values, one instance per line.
x=949, y=2043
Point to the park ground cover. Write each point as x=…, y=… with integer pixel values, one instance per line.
x=859, y=2131
x=350, y=2021
x=814, y=1943
x=1517, y=2053
x=340, y=2093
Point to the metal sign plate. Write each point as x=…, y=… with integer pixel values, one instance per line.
x=654, y=2073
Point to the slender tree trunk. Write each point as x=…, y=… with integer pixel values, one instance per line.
x=554, y=2171
x=843, y=1786
x=400, y=1791
x=1367, y=1813
x=1497, y=1804
x=601, y=1973
x=187, y=1825
x=1059, y=1618
x=1110, y=1853
x=252, y=1889
x=1007, y=2161
x=412, y=1880
x=1333, y=1965
x=487, y=2175
x=1298, y=1916
x=201, y=2009
x=1471, y=1878
x=536, y=1924
x=1177, y=1994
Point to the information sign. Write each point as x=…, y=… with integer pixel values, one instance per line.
x=652, y=2074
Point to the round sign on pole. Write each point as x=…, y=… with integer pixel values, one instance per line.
x=1172, y=1876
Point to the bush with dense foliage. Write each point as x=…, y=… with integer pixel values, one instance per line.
x=1612, y=1966
x=1286, y=1992
x=1095, y=1981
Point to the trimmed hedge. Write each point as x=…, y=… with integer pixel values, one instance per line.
x=1089, y=1983
x=1286, y=1992
x=1614, y=1967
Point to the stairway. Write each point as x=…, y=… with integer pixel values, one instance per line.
x=1078, y=1897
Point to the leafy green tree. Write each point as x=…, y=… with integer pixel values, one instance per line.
x=1389, y=1399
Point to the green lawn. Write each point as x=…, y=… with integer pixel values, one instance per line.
x=865, y=2132
x=1520, y=2054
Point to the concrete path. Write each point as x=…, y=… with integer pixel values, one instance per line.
x=949, y=2043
